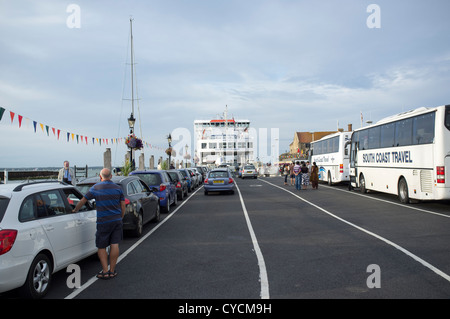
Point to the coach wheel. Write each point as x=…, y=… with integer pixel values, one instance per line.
x=403, y=191
x=362, y=184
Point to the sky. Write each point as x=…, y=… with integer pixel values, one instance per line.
x=291, y=65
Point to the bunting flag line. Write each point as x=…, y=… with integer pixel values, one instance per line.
x=71, y=137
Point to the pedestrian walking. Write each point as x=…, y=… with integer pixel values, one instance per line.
x=66, y=174
x=298, y=175
x=110, y=204
x=286, y=172
x=314, y=178
x=291, y=172
x=305, y=176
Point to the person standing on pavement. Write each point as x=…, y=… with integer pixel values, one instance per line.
x=286, y=172
x=298, y=175
x=305, y=176
x=291, y=172
x=66, y=174
x=110, y=205
x=314, y=178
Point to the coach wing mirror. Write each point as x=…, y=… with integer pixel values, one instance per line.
x=345, y=146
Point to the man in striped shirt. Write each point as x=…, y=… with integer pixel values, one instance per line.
x=110, y=205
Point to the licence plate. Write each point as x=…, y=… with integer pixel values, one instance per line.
x=249, y=172
x=218, y=182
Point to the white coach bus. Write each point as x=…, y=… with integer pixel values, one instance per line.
x=407, y=154
x=332, y=157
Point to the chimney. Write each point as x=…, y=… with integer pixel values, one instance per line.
x=350, y=128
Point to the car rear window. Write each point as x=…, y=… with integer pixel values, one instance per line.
x=249, y=167
x=218, y=175
x=84, y=188
x=150, y=179
x=4, y=201
x=183, y=173
x=173, y=175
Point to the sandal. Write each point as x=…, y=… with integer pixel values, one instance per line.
x=112, y=274
x=103, y=275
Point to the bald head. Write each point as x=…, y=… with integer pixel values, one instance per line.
x=105, y=174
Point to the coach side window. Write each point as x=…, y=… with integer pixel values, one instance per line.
x=403, y=132
x=387, y=138
x=374, y=137
x=364, y=139
x=447, y=117
x=423, y=129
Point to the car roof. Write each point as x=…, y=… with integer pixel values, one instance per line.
x=96, y=179
x=8, y=189
x=147, y=171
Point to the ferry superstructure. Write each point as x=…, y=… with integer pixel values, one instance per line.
x=223, y=140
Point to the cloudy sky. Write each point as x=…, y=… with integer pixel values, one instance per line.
x=295, y=65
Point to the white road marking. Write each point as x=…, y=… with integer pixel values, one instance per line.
x=387, y=201
x=387, y=241
x=76, y=292
x=262, y=265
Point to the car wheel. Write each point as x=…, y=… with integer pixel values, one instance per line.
x=157, y=214
x=175, y=200
x=39, y=278
x=206, y=192
x=137, y=232
x=166, y=209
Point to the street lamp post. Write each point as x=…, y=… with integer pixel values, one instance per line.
x=186, y=154
x=131, y=121
x=169, y=139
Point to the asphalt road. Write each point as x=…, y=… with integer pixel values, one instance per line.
x=272, y=241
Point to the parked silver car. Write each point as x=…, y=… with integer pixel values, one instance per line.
x=249, y=171
x=219, y=180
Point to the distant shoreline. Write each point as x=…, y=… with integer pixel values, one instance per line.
x=50, y=168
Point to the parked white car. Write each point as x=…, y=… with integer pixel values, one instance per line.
x=39, y=234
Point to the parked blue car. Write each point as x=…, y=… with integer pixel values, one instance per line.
x=161, y=180
x=187, y=176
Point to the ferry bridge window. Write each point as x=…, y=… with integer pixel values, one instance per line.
x=387, y=136
x=423, y=128
x=403, y=132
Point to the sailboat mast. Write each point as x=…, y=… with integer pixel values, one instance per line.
x=132, y=68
